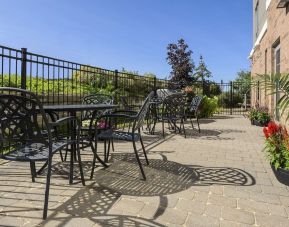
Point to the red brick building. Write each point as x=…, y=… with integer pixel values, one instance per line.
x=270, y=53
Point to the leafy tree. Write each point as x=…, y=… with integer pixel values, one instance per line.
x=179, y=57
x=202, y=73
x=244, y=79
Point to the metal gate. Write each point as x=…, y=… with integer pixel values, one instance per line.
x=234, y=97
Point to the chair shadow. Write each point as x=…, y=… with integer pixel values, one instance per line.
x=93, y=202
x=163, y=177
x=223, y=176
x=212, y=134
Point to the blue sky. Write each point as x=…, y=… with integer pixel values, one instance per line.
x=132, y=34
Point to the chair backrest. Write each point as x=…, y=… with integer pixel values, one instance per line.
x=96, y=99
x=140, y=119
x=163, y=93
x=19, y=119
x=123, y=101
x=196, y=101
x=174, y=106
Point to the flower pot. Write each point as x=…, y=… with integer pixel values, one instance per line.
x=282, y=175
x=258, y=123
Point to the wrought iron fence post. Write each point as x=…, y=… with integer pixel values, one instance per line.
x=23, y=67
x=155, y=85
x=115, y=83
x=231, y=98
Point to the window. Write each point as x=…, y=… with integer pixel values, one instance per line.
x=277, y=69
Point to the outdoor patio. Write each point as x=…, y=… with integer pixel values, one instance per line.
x=217, y=178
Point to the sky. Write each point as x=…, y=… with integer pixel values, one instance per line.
x=132, y=34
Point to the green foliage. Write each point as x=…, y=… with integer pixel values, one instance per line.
x=202, y=73
x=277, y=83
x=208, y=107
x=228, y=103
x=277, y=145
x=260, y=114
x=243, y=82
x=41, y=85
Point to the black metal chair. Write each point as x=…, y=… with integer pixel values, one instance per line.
x=193, y=110
x=124, y=103
x=22, y=121
x=133, y=135
x=88, y=119
x=172, y=111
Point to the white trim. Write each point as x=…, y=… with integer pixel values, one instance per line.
x=259, y=38
x=267, y=4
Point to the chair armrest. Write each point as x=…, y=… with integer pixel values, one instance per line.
x=64, y=120
x=125, y=112
x=118, y=115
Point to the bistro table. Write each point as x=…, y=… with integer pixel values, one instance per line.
x=72, y=110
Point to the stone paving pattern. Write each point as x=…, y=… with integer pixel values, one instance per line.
x=217, y=178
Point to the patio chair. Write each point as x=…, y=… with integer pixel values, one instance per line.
x=172, y=111
x=21, y=133
x=193, y=110
x=88, y=118
x=133, y=135
x=124, y=102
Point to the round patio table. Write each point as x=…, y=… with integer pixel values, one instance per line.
x=72, y=110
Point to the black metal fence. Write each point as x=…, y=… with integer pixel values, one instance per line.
x=58, y=81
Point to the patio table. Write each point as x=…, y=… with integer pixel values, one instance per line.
x=72, y=110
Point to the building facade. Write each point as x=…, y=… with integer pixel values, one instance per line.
x=270, y=52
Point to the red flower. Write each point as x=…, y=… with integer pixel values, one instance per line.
x=273, y=128
x=266, y=133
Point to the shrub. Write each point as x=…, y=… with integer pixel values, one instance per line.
x=260, y=114
x=208, y=107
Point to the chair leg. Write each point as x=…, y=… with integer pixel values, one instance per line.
x=66, y=151
x=95, y=156
x=93, y=166
x=138, y=160
x=184, y=128
x=198, y=124
x=112, y=145
x=61, y=155
x=80, y=165
x=33, y=170
x=192, y=123
x=143, y=148
x=105, y=152
x=108, y=150
x=47, y=187
x=163, y=127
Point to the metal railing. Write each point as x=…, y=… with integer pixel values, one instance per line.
x=58, y=81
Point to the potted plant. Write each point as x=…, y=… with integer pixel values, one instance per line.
x=277, y=150
x=259, y=116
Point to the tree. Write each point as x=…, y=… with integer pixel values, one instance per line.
x=179, y=57
x=243, y=82
x=202, y=71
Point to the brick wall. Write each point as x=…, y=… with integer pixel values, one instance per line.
x=263, y=56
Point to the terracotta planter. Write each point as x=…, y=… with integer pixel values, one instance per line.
x=282, y=175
